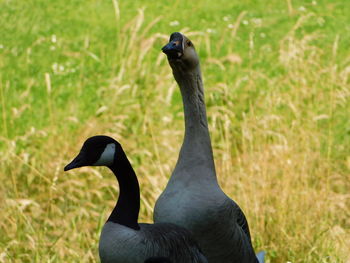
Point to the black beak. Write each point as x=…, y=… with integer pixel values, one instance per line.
x=78, y=161
x=174, y=49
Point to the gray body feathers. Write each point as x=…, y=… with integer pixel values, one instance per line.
x=119, y=244
x=220, y=227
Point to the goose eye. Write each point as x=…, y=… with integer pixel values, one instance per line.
x=189, y=43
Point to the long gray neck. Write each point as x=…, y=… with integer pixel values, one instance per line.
x=196, y=150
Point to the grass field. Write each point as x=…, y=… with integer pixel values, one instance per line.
x=277, y=81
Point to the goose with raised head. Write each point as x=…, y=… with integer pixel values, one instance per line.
x=193, y=198
x=123, y=239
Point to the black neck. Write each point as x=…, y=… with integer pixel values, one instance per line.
x=126, y=211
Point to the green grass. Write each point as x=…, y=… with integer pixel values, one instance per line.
x=277, y=80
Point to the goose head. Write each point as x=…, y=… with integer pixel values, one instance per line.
x=96, y=151
x=181, y=52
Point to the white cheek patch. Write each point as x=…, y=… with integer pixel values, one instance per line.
x=107, y=157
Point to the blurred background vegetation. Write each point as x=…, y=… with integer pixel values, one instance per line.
x=277, y=81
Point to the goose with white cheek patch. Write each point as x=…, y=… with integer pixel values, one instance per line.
x=123, y=239
x=193, y=198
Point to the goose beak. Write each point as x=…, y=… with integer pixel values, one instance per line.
x=78, y=161
x=174, y=49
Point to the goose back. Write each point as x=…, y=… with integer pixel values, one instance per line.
x=118, y=244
